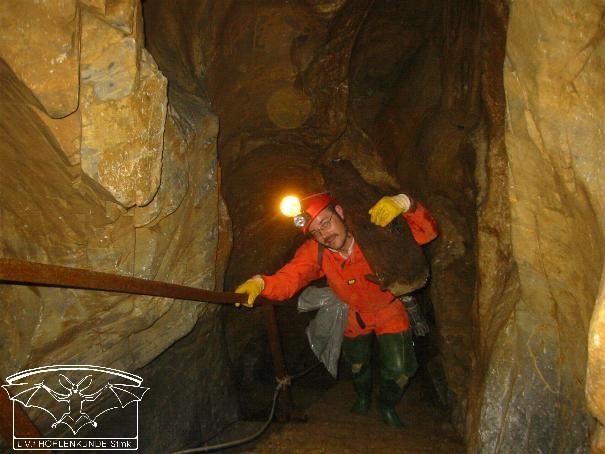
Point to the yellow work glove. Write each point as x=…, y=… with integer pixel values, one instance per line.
x=388, y=208
x=252, y=287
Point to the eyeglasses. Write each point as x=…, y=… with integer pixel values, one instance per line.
x=323, y=225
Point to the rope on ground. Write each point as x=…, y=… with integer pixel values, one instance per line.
x=304, y=372
x=281, y=384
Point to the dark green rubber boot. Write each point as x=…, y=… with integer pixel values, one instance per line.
x=358, y=352
x=397, y=364
x=389, y=395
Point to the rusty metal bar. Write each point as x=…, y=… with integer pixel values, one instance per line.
x=284, y=404
x=22, y=272
x=14, y=271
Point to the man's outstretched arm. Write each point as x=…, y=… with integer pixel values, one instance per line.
x=422, y=224
x=293, y=276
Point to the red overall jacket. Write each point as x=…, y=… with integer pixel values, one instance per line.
x=370, y=308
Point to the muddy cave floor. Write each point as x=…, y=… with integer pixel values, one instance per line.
x=331, y=428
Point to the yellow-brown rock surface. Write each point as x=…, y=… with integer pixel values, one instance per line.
x=123, y=105
x=40, y=41
x=58, y=209
x=595, y=373
x=534, y=334
x=495, y=121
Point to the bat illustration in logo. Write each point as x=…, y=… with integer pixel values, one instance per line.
x=77, y=410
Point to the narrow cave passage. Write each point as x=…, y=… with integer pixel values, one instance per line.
x=295, y=85
x=154, y=139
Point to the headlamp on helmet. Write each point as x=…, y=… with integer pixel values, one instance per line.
x=305, y=210
x=290, y=206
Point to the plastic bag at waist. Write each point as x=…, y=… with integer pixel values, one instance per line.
x=326, y=330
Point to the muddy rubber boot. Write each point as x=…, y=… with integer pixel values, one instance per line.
x=397, y=364
x=358, y=351
x=390, y=393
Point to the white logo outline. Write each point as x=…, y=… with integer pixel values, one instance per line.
x=32, y=394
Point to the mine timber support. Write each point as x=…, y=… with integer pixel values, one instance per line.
x=22, y=272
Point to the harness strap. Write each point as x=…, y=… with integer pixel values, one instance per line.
x=320, y=254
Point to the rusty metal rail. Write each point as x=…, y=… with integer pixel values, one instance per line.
x=22, y=272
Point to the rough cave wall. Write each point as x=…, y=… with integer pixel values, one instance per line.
x=536, y=286
x=277, y=75
x=99, y=172
x=541, y=234
x=286, y=83
x=536, y=194
x=298, y=82
x=425, y=133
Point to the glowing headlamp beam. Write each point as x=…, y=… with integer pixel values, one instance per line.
x=290, y=206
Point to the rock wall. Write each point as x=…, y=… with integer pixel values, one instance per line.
x=541, y=231
x=425, y=133
x=294, y=85
x=515, y=350
x=98, y=171
x=491, y=113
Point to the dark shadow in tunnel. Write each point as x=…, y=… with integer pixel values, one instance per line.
x=390, y=85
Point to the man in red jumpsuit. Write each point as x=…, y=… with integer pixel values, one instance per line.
x=372, y=311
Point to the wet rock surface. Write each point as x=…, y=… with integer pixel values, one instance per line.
x=191, y=396
x=47, y=63
x=538, y=357
x=487, y=112
x=53, y=211
x=123, y=105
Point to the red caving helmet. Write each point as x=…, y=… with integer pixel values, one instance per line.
x=313, y=205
